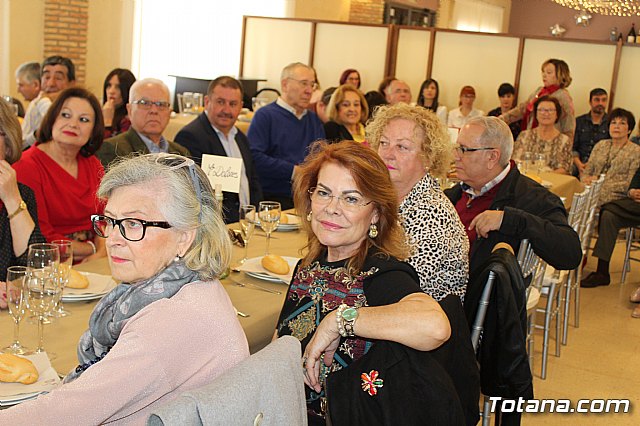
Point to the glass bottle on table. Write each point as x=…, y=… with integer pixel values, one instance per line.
x=247, y=221
x=16, y=301
x=269, y=215
x=41, y=284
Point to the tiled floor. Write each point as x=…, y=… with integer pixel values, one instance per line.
x=602, y=357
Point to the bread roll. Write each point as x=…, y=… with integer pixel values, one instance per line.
x=284, y=219
x=14, y=369
x=77, y=280
x=276, y=264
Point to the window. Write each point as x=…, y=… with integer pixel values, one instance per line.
x=476, y=15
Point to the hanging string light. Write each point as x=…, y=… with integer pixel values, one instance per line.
x=604, y=7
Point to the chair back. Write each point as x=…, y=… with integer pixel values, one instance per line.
x=591, y=213
x=483, y=304
x=577, y=212
x=265, y=389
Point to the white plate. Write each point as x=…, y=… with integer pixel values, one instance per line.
x=14, y=393
x=253, y=267
x=293, y=225
x=99, y=285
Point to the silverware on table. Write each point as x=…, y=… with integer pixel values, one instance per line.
x=255, y=286
x=242, y=314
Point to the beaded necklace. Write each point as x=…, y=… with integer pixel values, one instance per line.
x=607, y=164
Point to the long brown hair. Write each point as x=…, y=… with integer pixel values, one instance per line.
x=372, y=180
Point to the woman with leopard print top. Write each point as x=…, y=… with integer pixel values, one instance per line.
x=415, y=148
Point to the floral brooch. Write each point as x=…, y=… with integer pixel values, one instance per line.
x=371, y=382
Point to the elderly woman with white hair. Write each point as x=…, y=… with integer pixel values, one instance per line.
x=415, y=147
x=169, y=326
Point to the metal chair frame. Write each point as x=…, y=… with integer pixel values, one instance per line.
x=632, y=244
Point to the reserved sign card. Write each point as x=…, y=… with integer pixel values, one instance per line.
x=223, y=170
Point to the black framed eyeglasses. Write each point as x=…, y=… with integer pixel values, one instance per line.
x=463, y=149
x=147, y=104
x=130, y=228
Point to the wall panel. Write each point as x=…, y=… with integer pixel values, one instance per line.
x=478, y=60
x=271, y=44
x=342, y=46
x=412, y=57
x=627, y=87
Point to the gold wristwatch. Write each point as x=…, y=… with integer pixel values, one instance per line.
x=22, y=206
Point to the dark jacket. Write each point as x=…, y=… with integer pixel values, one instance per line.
x=200, y=138
x=336, y=132
x=415, y=390
x=128, y=143
x=504, y=363
x=531, y=212
x=458, y=359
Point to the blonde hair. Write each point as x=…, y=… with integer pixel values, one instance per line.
x=10, y=125
x=562, y=71
x=338, y=96
x=168, y=177
x=430, y=133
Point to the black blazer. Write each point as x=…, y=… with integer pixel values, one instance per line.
x=200, y=138
x=336, y=132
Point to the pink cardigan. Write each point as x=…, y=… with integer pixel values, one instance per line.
x=171, y=346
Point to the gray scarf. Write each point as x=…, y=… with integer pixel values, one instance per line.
x=116, y=308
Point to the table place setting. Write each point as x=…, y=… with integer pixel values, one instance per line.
x=15, y=393
x=99, y=285
x=253, y=268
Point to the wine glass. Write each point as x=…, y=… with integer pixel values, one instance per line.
x=16, y=301
x=541, y=163
x=247, y=225
x=66, y=260
x=41, y=283
x=527, y=160
x=269, y=214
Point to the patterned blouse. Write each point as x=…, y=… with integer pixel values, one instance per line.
x=567, y=122
x=557, y=150
x=618, y=165
x=439, y=244
x=323, y=286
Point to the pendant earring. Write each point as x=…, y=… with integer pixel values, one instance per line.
x=309, y=217
x=373, y=230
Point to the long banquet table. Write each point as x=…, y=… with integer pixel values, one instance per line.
x=61, y=337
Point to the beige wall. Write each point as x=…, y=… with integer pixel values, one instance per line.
x=25, y=36
x=108, y=41
x=331, y=10
x=108, y=45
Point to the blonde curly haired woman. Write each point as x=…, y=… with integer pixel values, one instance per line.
x=415, y=147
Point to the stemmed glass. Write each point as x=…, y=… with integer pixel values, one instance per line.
x=527, y=161
x=66, y=260
x=269, y=214
x=16, y=301
x=247, y=225
x=41, y=283
x=541, y=163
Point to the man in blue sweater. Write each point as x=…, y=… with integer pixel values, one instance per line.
x=281, y=132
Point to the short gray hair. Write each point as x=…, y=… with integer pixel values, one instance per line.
x=138, y=83
x=496, y=132
x=30, y=71
x=210, y=253
x=287, y=72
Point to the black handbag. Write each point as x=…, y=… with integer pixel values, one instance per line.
x=392, y=384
